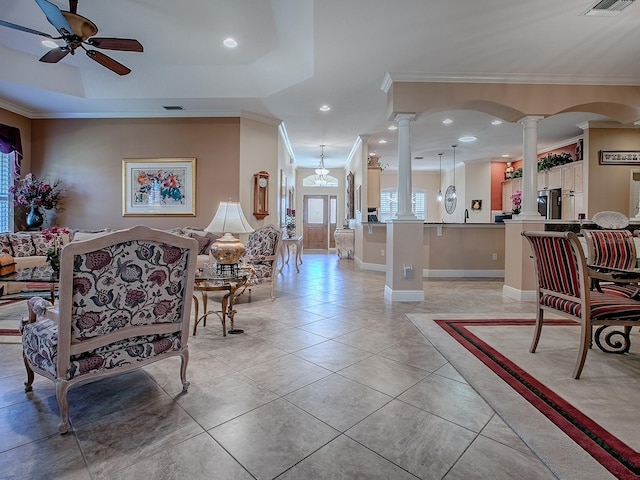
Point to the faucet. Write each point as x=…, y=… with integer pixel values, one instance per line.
x=466, y=214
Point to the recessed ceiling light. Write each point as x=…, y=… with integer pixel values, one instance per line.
x=447, y=121
x=506, y=155
x=50, y=44
x=468, y=139
x=392, y=127
x=325, y=108
x=382, y=141
x=230, y=43
x=496, y=122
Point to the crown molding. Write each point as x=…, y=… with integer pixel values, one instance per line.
x=515, y=78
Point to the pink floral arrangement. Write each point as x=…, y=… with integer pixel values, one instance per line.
x=53, y=232
x=35, y=192
x=516, y=198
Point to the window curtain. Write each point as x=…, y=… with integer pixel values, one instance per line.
x=10, y=142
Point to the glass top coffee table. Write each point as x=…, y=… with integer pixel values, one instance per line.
x=39, y=274
x=232, y=285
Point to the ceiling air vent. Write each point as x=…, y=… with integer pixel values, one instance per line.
x=608, y=8
x=173, y=107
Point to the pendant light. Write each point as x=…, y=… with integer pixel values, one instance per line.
x=440, y=184
x=321, y=171
x=455, y=192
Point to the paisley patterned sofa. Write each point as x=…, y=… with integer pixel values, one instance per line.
x=125, y=302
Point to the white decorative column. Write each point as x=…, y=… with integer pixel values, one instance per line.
x=530, y=168
x=405, y=233
x=404, y=166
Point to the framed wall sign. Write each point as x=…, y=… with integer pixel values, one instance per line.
x=158, y=186
x=619, y=157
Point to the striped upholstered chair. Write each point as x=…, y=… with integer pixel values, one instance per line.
x=612, y=249
x=563, y=288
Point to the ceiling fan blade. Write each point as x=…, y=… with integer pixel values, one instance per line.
x=108, y=62
x=125, y=44
x=55, y=55
x=24, y=29
x=55, y=17
x=73, y=6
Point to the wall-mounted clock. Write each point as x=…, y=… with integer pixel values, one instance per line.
x=450, y=199
x=261, y=195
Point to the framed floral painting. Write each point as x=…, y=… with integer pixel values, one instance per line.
x=158, y=186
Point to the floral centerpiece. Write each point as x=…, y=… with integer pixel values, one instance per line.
x=290, y=222
x=35, y=193
x=516, y=198
x=53, y=236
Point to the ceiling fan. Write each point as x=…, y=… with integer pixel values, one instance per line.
x=78, y=31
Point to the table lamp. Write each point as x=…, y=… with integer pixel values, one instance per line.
x=227, y=250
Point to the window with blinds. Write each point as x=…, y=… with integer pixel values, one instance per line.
x=389, y=204
x=6, y=200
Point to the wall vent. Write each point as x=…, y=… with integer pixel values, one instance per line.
x=608, y=8
x=173, y=107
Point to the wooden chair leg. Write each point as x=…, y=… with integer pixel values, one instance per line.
x=184, y=360
x=61, y=395
x=28, y=385
x=537, y=331
x=585, y=344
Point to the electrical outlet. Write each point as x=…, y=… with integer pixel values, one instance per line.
x=495, y=256
x=382, y=252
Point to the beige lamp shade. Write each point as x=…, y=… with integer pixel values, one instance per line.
x=228, y=220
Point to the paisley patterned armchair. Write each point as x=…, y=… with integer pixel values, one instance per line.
x=125, y=302
x=261, y=255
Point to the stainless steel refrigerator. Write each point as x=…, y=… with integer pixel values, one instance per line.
x=550, y=203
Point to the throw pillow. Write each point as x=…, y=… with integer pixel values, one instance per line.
x=42, y=244
x=5, y=245
x=22, y=245
x=204, y=241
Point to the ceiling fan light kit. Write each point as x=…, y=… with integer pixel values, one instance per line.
x=78, y=31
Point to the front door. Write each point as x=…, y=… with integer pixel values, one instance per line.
x=315, y=222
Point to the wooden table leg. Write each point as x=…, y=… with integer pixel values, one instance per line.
x=195, y=323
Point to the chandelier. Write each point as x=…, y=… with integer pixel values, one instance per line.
x=321, y=171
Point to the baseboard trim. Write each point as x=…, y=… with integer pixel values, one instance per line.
x=520, y=295
x=403, y=295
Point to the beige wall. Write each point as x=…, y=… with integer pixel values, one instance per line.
x=86, y=155
x=467, y=250
x=478, y=188
x=258, y=152
x=608, y=185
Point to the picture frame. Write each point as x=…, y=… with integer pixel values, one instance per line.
x=619, y=157
x=476, y=205
x=159, y=186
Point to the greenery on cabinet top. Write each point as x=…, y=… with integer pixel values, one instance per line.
x=548, y=162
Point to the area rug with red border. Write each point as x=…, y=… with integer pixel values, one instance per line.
x=619, y=458
x=12, y=310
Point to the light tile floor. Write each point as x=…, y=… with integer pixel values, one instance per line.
x=328, y=381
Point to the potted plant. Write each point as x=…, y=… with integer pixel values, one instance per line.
x=516, y=198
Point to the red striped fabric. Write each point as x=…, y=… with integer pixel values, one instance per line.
x=603, y=306
x=613, y=248
x=556, y=264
